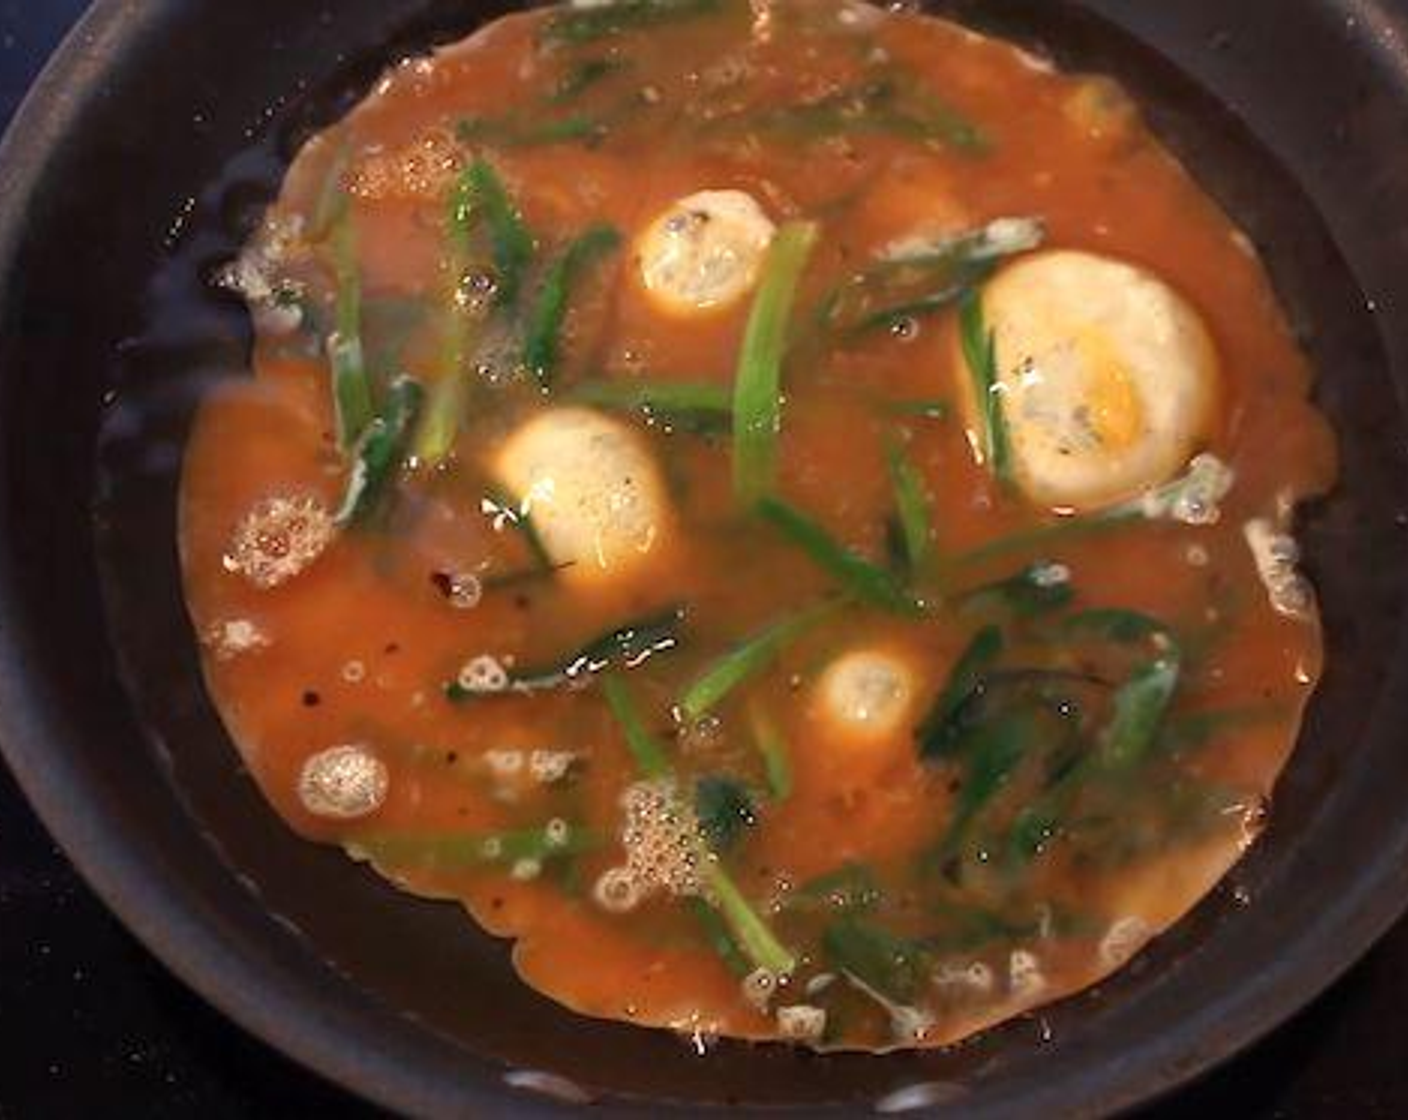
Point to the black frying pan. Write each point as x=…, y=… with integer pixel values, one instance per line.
x=140, y=163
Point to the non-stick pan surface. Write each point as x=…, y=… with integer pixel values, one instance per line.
x=139, y=164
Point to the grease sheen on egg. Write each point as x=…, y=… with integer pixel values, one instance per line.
x=1108, y=377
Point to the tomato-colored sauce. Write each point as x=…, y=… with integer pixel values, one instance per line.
x=357, y=649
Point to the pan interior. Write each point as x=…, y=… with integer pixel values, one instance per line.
x=98, y=354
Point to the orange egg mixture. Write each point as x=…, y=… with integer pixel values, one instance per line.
x=780, y=508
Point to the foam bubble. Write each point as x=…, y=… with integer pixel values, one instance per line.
x=343, y=782
x=278, y=539
x=483, y=675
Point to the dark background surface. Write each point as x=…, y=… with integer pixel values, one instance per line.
x=90, y=1024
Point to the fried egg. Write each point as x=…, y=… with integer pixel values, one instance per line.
x=866, y=694
x=704, y=253
x=1107, y=377
x=591, y=488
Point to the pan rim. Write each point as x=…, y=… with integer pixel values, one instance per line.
x=276, y=1006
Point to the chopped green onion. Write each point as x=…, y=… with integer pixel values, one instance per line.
x=895, y=967
x=647, y=751
x=857, y=576
x=520, y=520
x=451, y=852
x=1044, y=536
x=970, y=929
x=543, y=334
x=536, y=574
x=1115, y=624
x=912, y=506
x=745, y=661
x=1140, y=706
x=441, y=418
x=379, y=451
x=449, y=397
x=771, y=745
x=1140, y=710
x=993, y=751
x=911, y=282
x=351, y=387
x=938, y=733
x=1037, y=589
x=583, y=75
x=1192, y=498
x=480, y=188
x=852, y=886
x=625, y=647
x=754, y=939
x=884, y=106
x=749, y=932
x=757, y=400
x=576, y=24
x=720, y=938
x=513, y=131
x=724, y=808
x=697, y=407
x=980, y=353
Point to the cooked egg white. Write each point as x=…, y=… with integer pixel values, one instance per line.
x=866, y=694
x=591, y=487
x=1107, y=377
x=704, y=253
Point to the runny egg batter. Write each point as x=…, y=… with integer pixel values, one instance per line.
x=782, y=509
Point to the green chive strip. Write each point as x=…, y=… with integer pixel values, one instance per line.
x=543, y=335
x=481, y=190
x=757, y=401
x=520, y=520
x=773, y=747
x=912, y=505
x=750, y=932
x=454, y=852
x=857, y=576
x=937, y=734
x=1044, y=536
x=747, y=660
x=379, y=451
x=449, y=395
x=720, y=937
x=1037, y=589
x=583, y=76
x=351, y=386
x=697, y=406
x=441, y=418
x=1140, y=706
x=914, y=281
x=625, y=647
x=650, y=757
x=980, y=353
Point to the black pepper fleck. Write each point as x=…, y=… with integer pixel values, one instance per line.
x=311, y=699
